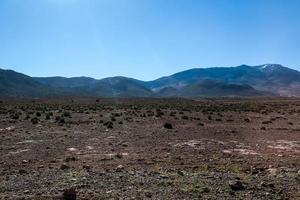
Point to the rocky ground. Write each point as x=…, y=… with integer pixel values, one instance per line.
x=150, y=149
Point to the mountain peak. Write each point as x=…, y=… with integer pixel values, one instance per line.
x=271, y=67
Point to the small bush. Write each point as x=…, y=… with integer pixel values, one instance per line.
x=62, y=120
x=168, y=126
x=15, y=116
x=34, y=120
x=66, y=114
x=57, y=118
x=108, y=124
x=48, y=116
x=185, y=117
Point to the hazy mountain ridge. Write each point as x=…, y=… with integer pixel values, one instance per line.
x=244, y=80
x=14, y=84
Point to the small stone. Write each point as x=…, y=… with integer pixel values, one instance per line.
x=25, y=161
x=119, y=168
x=180, y=173
x=119, y=155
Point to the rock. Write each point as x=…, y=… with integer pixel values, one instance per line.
x=272, y=171
x=64, y=167
x=236, y=185
x=25, y=161
x=180, y=173
x=119, y=168
x=119, y=155
x=70, y=194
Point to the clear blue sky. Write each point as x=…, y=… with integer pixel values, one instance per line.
x=145, y=39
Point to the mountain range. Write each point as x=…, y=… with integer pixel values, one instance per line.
x=240, y=81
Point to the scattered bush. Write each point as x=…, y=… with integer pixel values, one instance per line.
x=168, y=126
x=48, y=116
x=185, y=117
x=60, y=119
x=66, y=114
x=108, y=124
x=15, y=116
x=34, y=120
x=70, y=194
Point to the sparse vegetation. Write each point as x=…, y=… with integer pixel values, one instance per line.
x=168, y=126
x=161, y=149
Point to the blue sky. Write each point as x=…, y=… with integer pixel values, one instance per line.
x=145, y=39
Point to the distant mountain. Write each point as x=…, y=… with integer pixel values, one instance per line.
x=63, y=82
x=212, y=88
x=13, y=84
x=107, y=87
x=117, y=87
x=270, y=77
x=244, y=81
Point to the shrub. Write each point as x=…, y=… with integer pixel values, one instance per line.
x=108, y=124
x=168, y=126
x=34, y=120
x=15, y=116
x=48, y=116
x=62, y=120
x=66, y=114
x=185, y=117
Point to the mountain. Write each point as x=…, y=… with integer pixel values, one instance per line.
x=108, y=87
x=63, y=82
x=212, y=88
x=13, y=84
x=117, y=87
x=270, y=77
x=243, y=80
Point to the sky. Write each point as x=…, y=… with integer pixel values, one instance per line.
x=145, y=39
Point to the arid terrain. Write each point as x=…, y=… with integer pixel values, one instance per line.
x=150, y=149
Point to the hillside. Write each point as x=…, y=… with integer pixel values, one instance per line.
x=244, y=80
